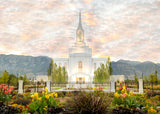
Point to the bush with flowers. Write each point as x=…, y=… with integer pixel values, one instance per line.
x=41, y=104
x=98, y=90
x=125, y=98
x=5, y=93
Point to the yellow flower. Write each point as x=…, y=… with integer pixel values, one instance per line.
x=94, y=88
x=131, y=93
x=45, y=89
x=121, y=82
x=47, y=96
x=56, y=95
x=45, y=108
x=116, y=95
x=151, y=110
x=35, y=96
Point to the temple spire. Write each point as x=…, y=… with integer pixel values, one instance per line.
x=80, y=24
x=80, y=32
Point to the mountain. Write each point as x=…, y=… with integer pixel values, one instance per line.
x=124, y=68
x=34, y=66
x=24, y=64
x=129, y=68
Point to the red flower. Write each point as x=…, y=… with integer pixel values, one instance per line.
x=1, y=85
x=5, y=92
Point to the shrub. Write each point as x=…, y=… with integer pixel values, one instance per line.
x=5, y=93
x=41, y=104
x=61, y=94
x=88, y=103
x=22, y=101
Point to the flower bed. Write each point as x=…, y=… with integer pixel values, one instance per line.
x=123, y=101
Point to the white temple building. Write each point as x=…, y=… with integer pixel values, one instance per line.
x=80, y=65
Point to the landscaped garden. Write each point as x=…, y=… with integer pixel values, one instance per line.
x=123, y=101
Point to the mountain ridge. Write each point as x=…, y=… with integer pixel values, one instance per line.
x=38, y=65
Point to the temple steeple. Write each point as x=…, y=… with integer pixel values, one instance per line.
x=80, y=31
x=80, y=24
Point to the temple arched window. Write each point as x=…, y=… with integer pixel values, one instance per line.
x=80, y=66
x=65, y=65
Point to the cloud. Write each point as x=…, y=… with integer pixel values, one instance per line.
x=117, y=28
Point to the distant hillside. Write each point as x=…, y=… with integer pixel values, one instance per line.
x=129, y=68
x=34, y=66
x=24, y=64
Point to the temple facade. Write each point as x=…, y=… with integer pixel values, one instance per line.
x=80, y=65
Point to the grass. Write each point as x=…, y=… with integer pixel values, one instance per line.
x=58, y=88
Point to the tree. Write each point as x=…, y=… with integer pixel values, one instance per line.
x=135, y=78
x=152, y=79
x=65, y=75
x=5, y=77
x=57, y=74
x=12, y=80
x=156, y=77
x=50, y=68
x=145, y=79
x=110, y=68
x=102, y=74
x=25, y=80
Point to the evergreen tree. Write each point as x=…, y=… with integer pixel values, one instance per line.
x=156, y=77
x=145, y=79
x=25, y=80
x=5, y=77
x=102, y=74
x=152, y=79
x=110, y=68
x=135, y=78
x=57, y=74
x=12, y=80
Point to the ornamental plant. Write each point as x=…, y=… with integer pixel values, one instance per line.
x=125, y=98
x=98, y=90
x=5, y=93
x=41, y=104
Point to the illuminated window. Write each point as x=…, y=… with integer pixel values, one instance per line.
x=65, y=65
x=80, y=66
x=95, y=66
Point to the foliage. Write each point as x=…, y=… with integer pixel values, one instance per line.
x=25, y=80
x=41, y=104
x=23, y=109
x=8, y=110
x=57, y=74
x=5, y=77
x=12, y=80
x=88, y=103
x=5, y=93
x=110, y=68
x=135, y=78
x=102, y=74
x=124, y=97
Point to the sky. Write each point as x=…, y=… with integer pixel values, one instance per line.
x=121, y=29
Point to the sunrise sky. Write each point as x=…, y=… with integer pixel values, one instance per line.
x=121, y=29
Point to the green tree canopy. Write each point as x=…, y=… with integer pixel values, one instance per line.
x=5, y=77
x=57, y=74
x=102, y=74
x=135, y=78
